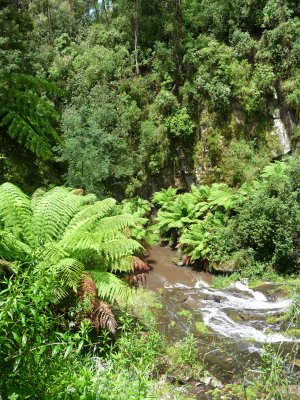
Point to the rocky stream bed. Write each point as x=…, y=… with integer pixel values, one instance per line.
x=231, y=325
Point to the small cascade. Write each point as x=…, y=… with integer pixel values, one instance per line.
x=281, y=132
x=219, y=322
x=254, y=305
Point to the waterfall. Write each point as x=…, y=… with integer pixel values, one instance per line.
x=281, y=132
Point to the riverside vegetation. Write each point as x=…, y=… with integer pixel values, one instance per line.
x=131, y=100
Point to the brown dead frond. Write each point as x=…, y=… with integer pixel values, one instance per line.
x=138, y=274
x=78, y=192
x=103, y=318
x=87, y=288
x=139, y=265
x=137, y=279
x=99, y=314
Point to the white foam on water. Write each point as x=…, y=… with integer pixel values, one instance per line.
x=244, y=288
x=250, y=303
x=216, y=303
x=221, y=323
x=177, y=286
x=200, y=284
x=281, y=132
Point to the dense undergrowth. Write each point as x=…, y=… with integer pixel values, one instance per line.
x=252, y=230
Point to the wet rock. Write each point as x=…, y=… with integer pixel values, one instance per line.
x=212, y=381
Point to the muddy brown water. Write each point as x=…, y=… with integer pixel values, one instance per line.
x=235, y=318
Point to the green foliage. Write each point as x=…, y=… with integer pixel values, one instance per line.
x=96, y=139
x=37, y=345
x=189, y=218
x=241, y=162
x=140, y=210
x=294, y=310
x=26, y=116
x=164, y=197
x=268, y=222
x=180, y=124
x=69, y=233
x=173, y=217
x=247, y=229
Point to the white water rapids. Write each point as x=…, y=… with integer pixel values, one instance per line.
x=215, y=306
x=237, y=313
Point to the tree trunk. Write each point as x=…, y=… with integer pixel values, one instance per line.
x=136, y=35
x=96, y=8
x=105, y=7
x=49, y=20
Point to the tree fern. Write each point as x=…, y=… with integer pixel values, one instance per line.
x=68, y=233
x=221, y=195
x=176, y=216
x=164, y=197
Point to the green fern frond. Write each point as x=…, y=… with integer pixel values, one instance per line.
x=109, y=286
x=68, y=272
x=23, y=131
x=26, y=115
x=36, y=197
x=125, y=264
x=165, y=196
x=116, y=223
x=221, y=195
x=11, y=248
x=118, y=248
x=87, y=217
x=52, y=252
x=52, y=212
x=15, y=211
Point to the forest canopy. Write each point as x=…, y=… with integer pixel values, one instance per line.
x=111, y=95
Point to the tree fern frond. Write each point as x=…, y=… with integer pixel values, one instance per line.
x=140, y=265
x=11, y=248
x=103, y=318
x=118, y=248
x=52, y=252
x=109, y=285
x=124, y=264
x=165, y=196
x=105, y=229
x=15, y=211
x=221, y=195
x=22, y=130
x=115, y=223
x=87, y=217
x=69, y=272
x=39, y=84
x=88, y=199
x=87, y=288
x=52, y=213
x=100, y=315
x=27, y=116
x=36, y=196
